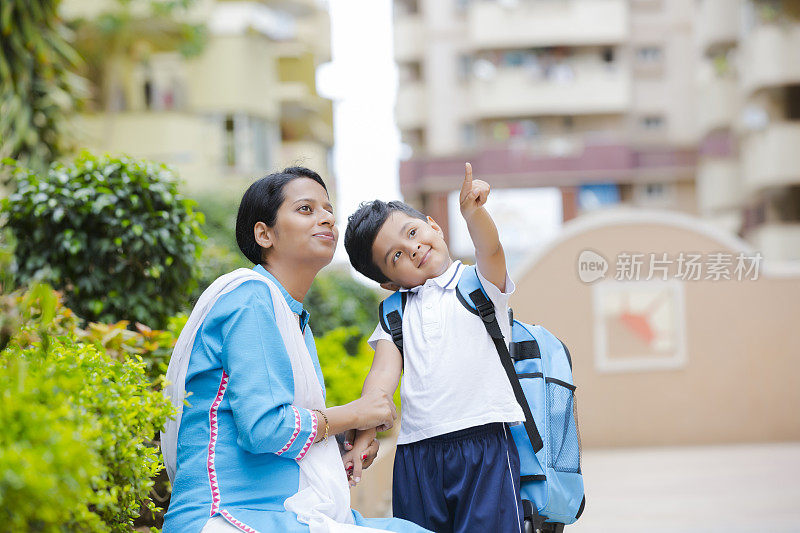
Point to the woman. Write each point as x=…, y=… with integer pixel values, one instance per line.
x=250, y=450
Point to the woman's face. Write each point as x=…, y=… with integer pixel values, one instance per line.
x=304, y=229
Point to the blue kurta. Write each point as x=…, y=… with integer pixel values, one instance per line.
x=241, y=437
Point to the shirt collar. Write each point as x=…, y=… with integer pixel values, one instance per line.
x=294, y=305
x=447, y=280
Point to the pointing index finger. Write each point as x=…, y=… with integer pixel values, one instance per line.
x=467, y=185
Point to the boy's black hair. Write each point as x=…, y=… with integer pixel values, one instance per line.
x=260, y=203
x=362, y=228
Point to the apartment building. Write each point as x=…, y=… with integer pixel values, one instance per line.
x=595, y=97
x=685, y=105
x=245, y=106
x=749, y=81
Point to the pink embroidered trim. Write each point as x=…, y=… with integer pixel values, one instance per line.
x=240, y=525
x=296, y=431
x=212, y=444
x=311, y=437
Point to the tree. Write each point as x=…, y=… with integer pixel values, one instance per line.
x=38, y=85
x=114, y=234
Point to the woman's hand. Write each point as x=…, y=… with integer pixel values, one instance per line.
x=375, y=409
x=365, y=449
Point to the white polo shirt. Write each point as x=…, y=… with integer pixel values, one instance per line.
x=452, y=375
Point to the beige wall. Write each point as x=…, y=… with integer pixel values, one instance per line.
x=740, y=380
x=234, y=74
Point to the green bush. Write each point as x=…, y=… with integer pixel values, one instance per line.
x=46, y=468
x=114, y=234
x=336, y=300
x=75, y=451
x=345, y=359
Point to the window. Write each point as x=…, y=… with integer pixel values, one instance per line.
x=655, y=194
x=163, y=82
x=464, y=67
x=230, y=142
x=649, y=54
x=248, y=142
x=469, y=135
x=651, y=122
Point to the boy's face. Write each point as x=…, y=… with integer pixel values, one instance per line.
x=410, y=251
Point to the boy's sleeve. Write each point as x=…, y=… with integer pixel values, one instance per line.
x=261, y=384
x=377, y=335
x=498, y=297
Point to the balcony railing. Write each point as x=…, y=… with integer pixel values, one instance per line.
x=192, y=143
x=717, y=23
x=523, y=165
x=718, y=104
x=771, y=56
x=514, y=92
x=408, y=41
x=528, y=23
x=777, y=241
x=411, y=105
x=719, y=187
x=771, y=157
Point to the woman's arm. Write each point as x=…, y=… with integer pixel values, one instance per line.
x=260, y=382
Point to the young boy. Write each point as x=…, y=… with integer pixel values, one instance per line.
x=456, y=467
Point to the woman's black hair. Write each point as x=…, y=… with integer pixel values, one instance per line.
x=362, y=228
x=260, y=203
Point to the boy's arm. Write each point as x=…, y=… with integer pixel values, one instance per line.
x=489, y=252
x=383, y=377
x=384, y=374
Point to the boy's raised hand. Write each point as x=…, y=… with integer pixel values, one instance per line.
x=473, y=193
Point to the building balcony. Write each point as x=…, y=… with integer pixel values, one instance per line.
x=306, y=153
x=771, y=57
x=777, y=241
x=411, y=106
x=718, y=23
x=191, y=143
x=718, y=104
x=493, y=25
x=514, y=92
x=770, y=158
x=718, y=185
x=524, y=165
x=408, y=41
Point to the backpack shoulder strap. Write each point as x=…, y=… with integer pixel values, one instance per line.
x=470, y=293
x=391, y=316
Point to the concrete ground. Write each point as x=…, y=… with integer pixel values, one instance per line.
x=731, y=488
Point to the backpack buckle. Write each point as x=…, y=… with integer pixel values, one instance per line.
x=483, y=305
x=486, y=310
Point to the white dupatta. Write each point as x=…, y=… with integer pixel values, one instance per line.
x=323, y=498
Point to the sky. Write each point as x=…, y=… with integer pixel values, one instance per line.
x=362, y=81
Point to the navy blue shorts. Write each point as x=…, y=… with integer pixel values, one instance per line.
x=460, y=482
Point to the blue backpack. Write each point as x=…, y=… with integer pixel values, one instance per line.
x=539, y=368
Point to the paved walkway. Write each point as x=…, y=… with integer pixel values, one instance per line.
x=752, y=487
